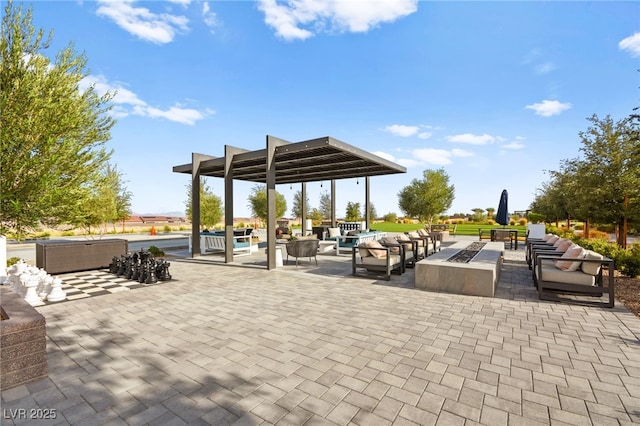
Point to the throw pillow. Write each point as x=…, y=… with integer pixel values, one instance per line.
x=373, y=244
x=553, y=239
x=592, y=268
x=575, y=252
x=392, y=241
x=413, y=234
x=564, y=245
x=334, y=232
x=423, y=232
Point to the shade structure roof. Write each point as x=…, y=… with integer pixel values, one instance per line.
x=318, y=159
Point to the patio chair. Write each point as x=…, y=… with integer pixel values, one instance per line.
x=374, y=257
x=303, y=248
x=504, y=235
x=577, y=273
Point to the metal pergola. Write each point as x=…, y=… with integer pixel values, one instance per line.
x=281, y=162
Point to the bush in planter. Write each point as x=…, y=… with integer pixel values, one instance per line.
x=166, y=229
x=156, y=251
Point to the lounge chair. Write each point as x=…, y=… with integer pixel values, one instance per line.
x=374, y=257
x=300, y=247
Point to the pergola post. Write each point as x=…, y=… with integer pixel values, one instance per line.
x=304, y=209
x=196, y=159
x=228, y=203
x=333, y=203
x=272, y=144
x=367, y=202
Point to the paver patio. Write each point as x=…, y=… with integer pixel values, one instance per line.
x=234, y=343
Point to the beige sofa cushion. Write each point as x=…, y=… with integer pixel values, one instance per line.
x=334, y=232
x=393, y=260
x=553, y=274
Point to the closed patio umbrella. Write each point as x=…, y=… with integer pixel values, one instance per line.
x=502, y=217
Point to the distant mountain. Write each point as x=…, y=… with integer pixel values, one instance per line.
x=173, y=214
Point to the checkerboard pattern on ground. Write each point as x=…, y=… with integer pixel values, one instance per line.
x=79, y=285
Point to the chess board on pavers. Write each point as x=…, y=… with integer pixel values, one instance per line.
x=79, y=285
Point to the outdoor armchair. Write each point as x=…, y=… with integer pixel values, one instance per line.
x=374, y=257
x=303, y=248
x=577, y=275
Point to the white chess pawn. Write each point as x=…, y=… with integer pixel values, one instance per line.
x=56, y=294
x=31, y=296
x=45, y=284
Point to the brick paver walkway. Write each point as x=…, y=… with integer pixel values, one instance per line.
x=225, y=344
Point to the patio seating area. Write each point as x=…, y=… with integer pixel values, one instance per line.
x=225, y=343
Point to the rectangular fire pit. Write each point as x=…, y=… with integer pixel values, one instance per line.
x=465, y=267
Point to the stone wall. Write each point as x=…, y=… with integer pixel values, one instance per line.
x=23, y=346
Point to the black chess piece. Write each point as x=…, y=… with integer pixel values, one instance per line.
x=114, y=266
x=162, y=270
x=123, y=265
x=151, y=275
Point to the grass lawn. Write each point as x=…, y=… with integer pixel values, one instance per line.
x=463, y=229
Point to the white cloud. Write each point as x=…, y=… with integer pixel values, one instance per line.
x=456, y=152
x=549, y=108
x=513, y=145
x=439, y=157
x=425, y=135
x=384, y=155
x=301, y=19
x=408, y=162
x=472, y=139
x=632, y=44
x=402, y=130
x=141, y=22
x=545, y=68
x=126, y=103
x=209, y=17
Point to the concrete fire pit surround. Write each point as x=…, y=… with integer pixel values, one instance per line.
x=23, y=346
x=476, y=278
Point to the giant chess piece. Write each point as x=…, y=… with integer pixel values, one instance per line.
x=123, y=265
x=31, y=295
x=56, y=294
x=162, y=270
x=144, y=267
x=151, y=275
x=114, y=266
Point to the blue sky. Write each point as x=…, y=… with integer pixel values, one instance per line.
x=493, y=92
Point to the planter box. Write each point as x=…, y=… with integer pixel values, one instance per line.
x=23, y=346
x=61, y=256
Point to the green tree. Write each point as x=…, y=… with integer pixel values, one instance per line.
x=258, y=202
x=210, y=206
x=315, y=215
x=325, y=205
x=52, y=133
x=107, y=202
x=427, y=198
x=490, y=212
x=296, y=210
x=373, y=214
x=352, y=213
x=478, y=215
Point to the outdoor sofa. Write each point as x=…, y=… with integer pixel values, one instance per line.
x=346, y=240
x=212, y=242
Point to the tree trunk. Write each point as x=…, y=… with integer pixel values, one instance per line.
x=585, y=231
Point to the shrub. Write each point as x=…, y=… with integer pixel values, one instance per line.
x=536, y=217
x=390, y=217
x=167, y=229
x=155, y=251
x=491, y=222
x=241, y=225
x=68, y=233
x=12, y=261
x=594, y=234
x=522, y=221
x=578, y=227
x=407, y=220
x=512, y=222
